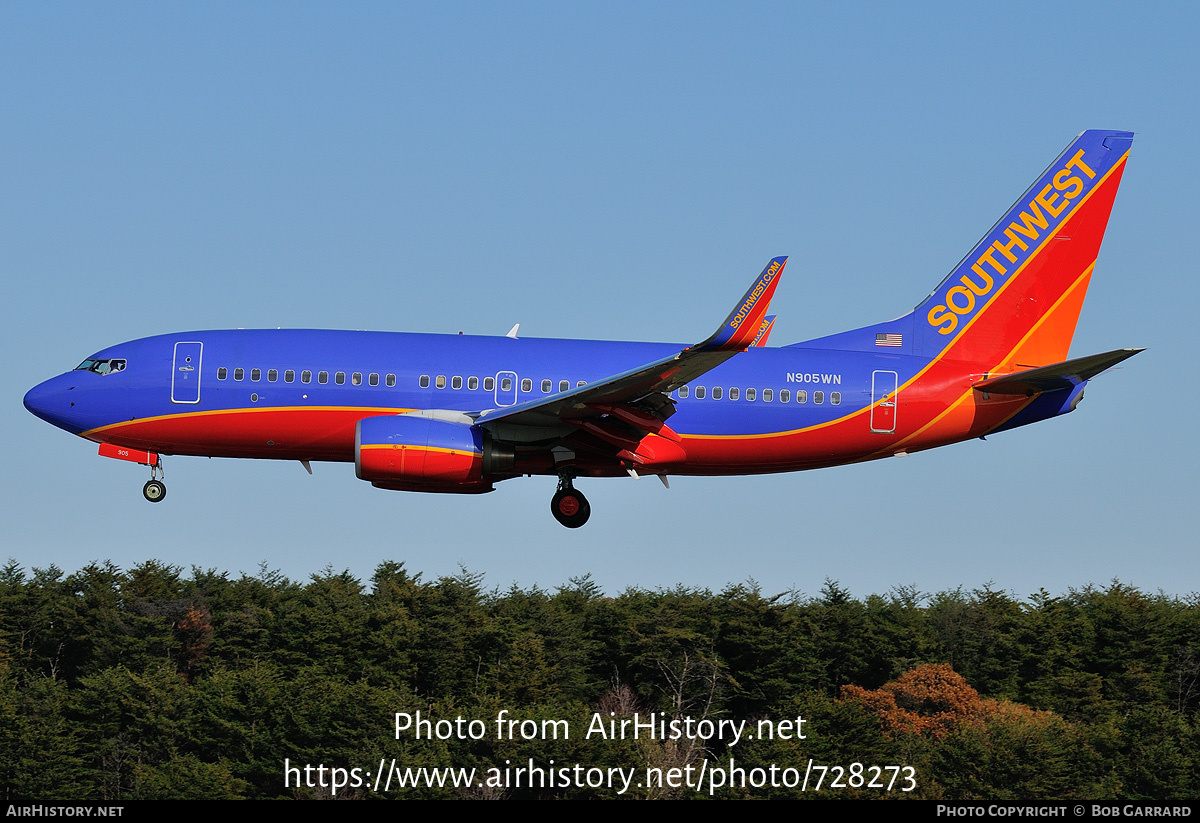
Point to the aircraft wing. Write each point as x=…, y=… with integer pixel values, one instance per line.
x=1063, y=375
x=638, y=397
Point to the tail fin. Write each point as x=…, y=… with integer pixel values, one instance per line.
x=1013, y=302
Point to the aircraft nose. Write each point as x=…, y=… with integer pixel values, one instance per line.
x=53, y=402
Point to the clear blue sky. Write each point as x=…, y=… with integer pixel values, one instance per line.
x=612, y=171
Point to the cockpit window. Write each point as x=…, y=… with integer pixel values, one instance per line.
x=101, y=366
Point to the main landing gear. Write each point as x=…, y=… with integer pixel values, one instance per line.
x=155, y=489
x=569, y=506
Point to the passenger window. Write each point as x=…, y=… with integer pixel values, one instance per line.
x=239, y=373
x=489, y=384
x=424, y=381
x=456, y=382
x=472, y=383
x=683, y=391
x=563, y=385
x=322, y=377
x=340, y=378
x=506, y=384
x=581, y=383
x=356, y=379
x=751, y=394
x=718, y=392
x=255, y=375
x=768, y=395
x=272, y=375
x=785, y=395
x=306, y=376
x=733, y=394
x=526, y=385
x=801, y=397
x=391, y=379
x=222, y=373
x=440, y=381
x=546, y=384
x=699, y=392
x=835, y=397
x=373, y=379
x=818, y=397
x=289, y=376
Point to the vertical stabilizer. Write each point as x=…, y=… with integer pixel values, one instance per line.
x=1014, y=300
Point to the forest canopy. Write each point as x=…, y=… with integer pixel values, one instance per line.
x=149, y=682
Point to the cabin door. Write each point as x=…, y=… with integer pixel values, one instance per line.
x=883, y=402
x=185, y=373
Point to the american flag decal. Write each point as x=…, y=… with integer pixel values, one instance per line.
x=892, y=340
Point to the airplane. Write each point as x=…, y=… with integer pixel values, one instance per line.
x=985, y=352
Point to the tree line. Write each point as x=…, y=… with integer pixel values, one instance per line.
x=149, y=682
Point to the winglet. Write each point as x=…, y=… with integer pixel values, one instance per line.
x=744, y=322
x=764, y=331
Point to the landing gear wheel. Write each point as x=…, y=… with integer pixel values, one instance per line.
x=570, y=508
x=154, y=490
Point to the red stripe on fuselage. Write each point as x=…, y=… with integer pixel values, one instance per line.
x=321, y=433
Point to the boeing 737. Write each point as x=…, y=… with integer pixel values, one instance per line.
x=987, y=351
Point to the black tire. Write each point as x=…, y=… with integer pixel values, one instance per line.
x=570, y=508
x=154, y=491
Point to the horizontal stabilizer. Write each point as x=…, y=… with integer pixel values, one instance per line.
x=1063, y=375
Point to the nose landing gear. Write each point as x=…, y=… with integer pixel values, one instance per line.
x=569, y=506
x=155, y=489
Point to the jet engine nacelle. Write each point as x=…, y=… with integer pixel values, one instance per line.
x=419, y=452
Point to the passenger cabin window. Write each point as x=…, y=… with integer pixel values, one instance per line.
x=222, y=373
x=489, y=384
x=563, y=385
x=526, y=385
x=272, y=375
x=339, y=378
x=322, y=377
x=289, y=376
x=733, y=394
x=424, y=381
x=699, y=392
x=356, y=379
x=580, y=383
x=456, y=382
x=751, y=394
x=683, y=391
x=546, y=384
x=255, y=375
x=306, y=376
x=472, y=383
x=506, y=384
x=391, y=380
x=373, y=379
x=818, y=397
x=801, y=397
x=718, y=392
x=440, y=382
x=835, y=397
x=785, y=395
x=239, y=374
x=768, y=395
